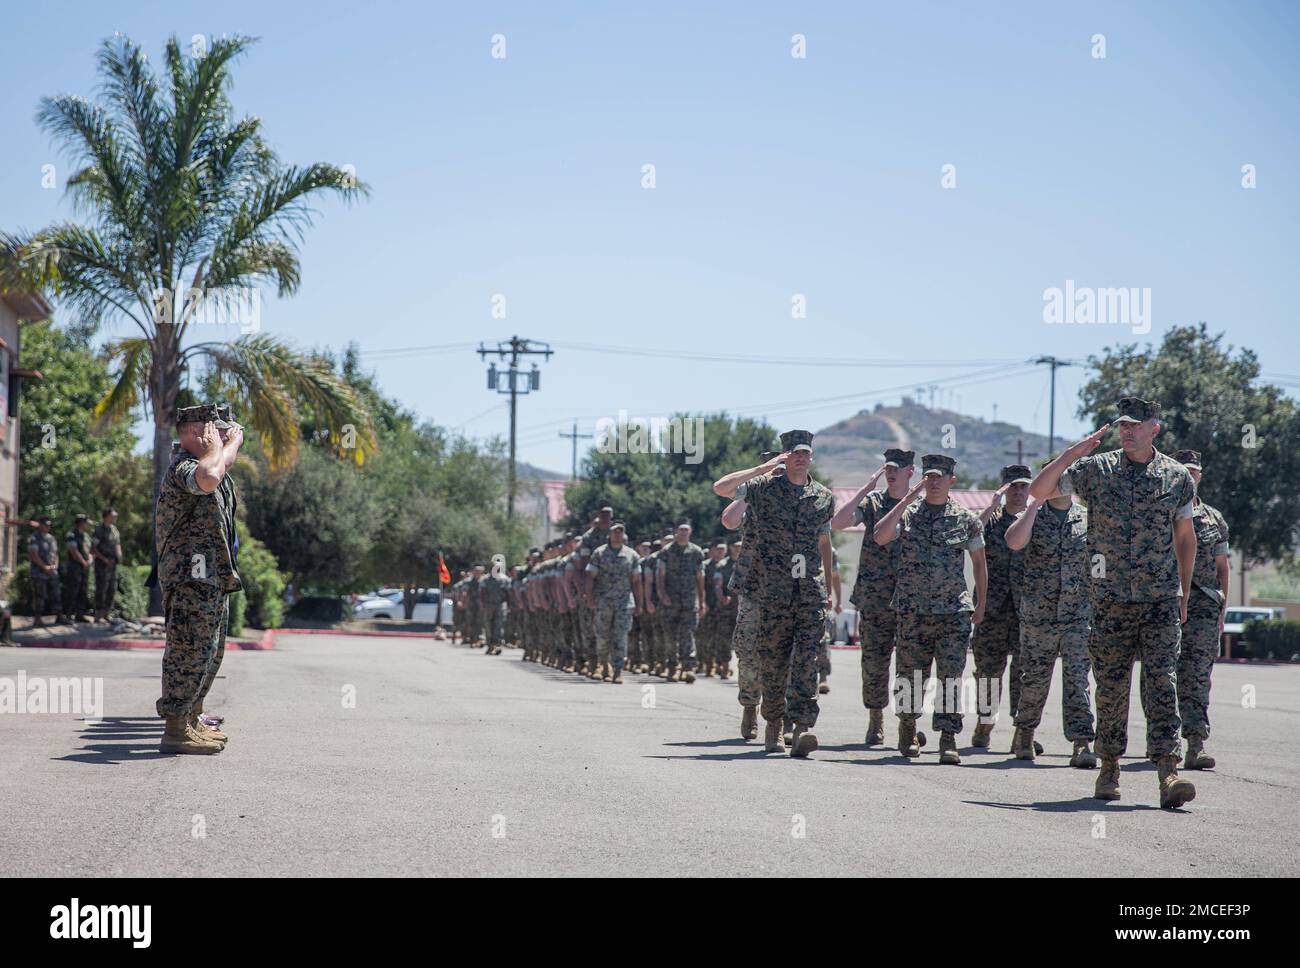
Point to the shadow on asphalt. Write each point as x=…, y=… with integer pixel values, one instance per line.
x=752, y=753
x=103, y=741
x=1081, y=805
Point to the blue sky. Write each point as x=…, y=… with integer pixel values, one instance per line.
x=775, y=176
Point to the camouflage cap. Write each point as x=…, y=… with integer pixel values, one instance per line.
x=797, y=440
x=767, y=455
x=937, y=464
x=656, y=543
x=205, y=413
x=899, y=458
x=618, y=526
x=1136, y=410
x=1189, y=458
x=81, y=517
x=605, y=507
x=683, y=523
x=722, y=545
x=1016, y=474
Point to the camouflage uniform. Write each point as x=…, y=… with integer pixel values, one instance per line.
x=744, y=639
x=1200, y=640
x=108, y=542
x=997, y=638
x=613, y=572
x=588, y=542
x=873, y=593
x=45, y=587
x=1131, y=513
x=934, y=607
x=785, y=579
x=196, y=547
x=495, y=592
x=680, y=566
x=1052, y=601
x=77, y=576
x=725, y=620
x=706, y=638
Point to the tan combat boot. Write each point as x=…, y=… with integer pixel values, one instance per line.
x=787, y=731
x=823, y=687
x=1197, y=758
x=618, y=676
x=772, y=739
x=804, y=742
x=980, y=738
x=178, y=737
x=1107, y=780
x=607, y=673
x=1174, y=791
x=206, y=732
x=1083, y=758
x=875, y=728
x=1023, y=744
x=671, y=675
x=687, y=676
x=724, y=671
x=749, y=722
x=948, y=754
x=907, y=738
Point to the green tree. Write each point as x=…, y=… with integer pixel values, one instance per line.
x=651, y=492
x=184, y=197
x=64, y=468
x=1248, y=432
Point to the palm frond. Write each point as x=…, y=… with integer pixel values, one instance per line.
x=135, y=355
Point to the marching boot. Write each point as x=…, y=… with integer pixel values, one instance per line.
x=804, y=742
x=178, y=737
x=980, y=738
x=787, y=731
x=205, y=731
x=1023, y=743
x=773, y=742
x=876, y=728
x=749, y=722
x=618, y=675
x=1174, y=791
x=1107, y=787
x=1197, y=758
x=823, y=687
x=1083, y=758
x=687, y=676
x=671, y=675
x=606, y=673
x=948, y=754
x=907, y=744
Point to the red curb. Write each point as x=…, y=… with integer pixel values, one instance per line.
x=266, y=642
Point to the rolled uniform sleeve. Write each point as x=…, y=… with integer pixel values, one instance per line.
x=741, y=491
x=1186, y=504
x=187, y=476
x=1080, y=478
x=975, y=530
x=859, y=515
x=591, y=567
x=1222, y=547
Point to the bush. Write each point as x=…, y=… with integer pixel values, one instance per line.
x=263, y=593
x=235, y=618
x=319, y=608
x=132, y=601
x=1275, y=639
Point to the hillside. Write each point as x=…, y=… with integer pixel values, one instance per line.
x=848, y=451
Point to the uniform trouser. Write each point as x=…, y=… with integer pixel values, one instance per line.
x=879, y=631
x=658, y=637
x=1122, y=633
x=996, y=638
x=788, y=636
x=613, y=622
x=46, y=593
x=1200, y=647
x=496, y=623
x=824, y=648
x=1040, y=644
x=745, y=641
x=922, y=639
x=587, y=628
x=704, y=646
x=196, y=644
x=105, y=586
x=76, y=580
x=635, y=650
x=680, y=622
x=723, y=629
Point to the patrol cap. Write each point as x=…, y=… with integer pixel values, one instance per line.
x=605, y=507
x=1016, y=474
x=1189, y=458
x=618, y=526
x=937, y=464
x=1136, y=410
x=767, y=455
x=899, y=458
x=205, y=413
x=79, y=518
x=735, y=541
x=683, y=523
x=722, y=545
x=657, y=543
x=793, y=440
x=534, y=551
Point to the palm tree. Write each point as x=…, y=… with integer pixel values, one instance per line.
x=181, y=193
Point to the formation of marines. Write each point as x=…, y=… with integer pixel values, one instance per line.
x=63, y=588
x=1099, y=560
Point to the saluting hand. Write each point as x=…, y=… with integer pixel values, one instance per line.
x=1090, y=443
x=210, y=439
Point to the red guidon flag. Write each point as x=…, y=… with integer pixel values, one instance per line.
x=444, y=576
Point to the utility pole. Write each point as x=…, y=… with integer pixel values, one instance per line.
x=1020, y=452
x=513, y=382
x=1053, y=362
x=573, y=476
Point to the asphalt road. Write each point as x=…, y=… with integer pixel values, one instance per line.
x=450, y=762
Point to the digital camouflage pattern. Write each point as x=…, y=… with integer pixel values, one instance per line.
x=1054, y=569
x=1040, y=646
x=997, y=638
x=494, y=592
x=924, y=638
x=932, y=542
x=786, y=581
x=613, y=572
x=196, y=613
x=877, y=564
x=1150, y=633
x=1200, y=636
x=1131, y=512
x=680, y=565
x=47, y=592
x=194, y=532
x=107, y=540
x=76, y=575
